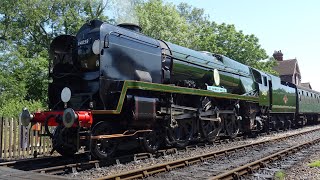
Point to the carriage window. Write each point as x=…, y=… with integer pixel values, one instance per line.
x=299, y=95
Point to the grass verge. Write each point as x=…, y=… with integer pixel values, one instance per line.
x=279, y=175
x=315, y=164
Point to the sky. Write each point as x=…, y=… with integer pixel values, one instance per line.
x=292, y=26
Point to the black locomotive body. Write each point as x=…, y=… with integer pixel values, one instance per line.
x=110, y=84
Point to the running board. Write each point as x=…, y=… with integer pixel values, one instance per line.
x=110, y=136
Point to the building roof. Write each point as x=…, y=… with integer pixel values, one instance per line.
x=307, y=85
x=287, y=67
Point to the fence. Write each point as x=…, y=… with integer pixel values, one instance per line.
x=18, y=141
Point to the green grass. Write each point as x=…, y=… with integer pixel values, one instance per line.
x=315, y=164
x=279, y=175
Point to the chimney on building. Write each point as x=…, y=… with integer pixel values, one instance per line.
x=278, y=55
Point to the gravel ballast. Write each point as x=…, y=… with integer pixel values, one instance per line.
x=205, y=169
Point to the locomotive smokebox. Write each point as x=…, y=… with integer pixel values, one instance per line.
x=131, y=26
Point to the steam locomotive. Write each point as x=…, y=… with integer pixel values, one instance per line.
x=110, y=85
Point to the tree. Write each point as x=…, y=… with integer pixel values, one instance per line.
x=244, y=48
x=26, y=31
x=190, y=27
x=162, y=21
x=28, y=27
x=223, y=39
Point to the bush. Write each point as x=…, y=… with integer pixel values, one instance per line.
x=13, y=107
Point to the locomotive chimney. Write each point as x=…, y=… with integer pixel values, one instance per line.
x=131, y=26
x=278, y=55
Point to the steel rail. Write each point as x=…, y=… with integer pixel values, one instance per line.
x=150, y=170
x=79, y=166
x=36, y=165
x=21, y=163
x=249, y=168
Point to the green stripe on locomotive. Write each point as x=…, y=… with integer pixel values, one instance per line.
x=130, y=84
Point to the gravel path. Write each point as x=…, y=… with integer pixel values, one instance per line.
x=295, y=166
x=216, y=166
x=115, y=169
x=302, y=170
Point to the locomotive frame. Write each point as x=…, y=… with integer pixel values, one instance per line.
x=118, y=86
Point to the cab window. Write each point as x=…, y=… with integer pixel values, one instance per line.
x=257, y=76
x=265, y=81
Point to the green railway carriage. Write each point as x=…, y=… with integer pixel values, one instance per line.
x=308, y=104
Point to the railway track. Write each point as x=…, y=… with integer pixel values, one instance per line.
x=61, y=165
x=77, y=166
x=35, y=163
x=166, y=167
x=250, y=167
x=84, y=165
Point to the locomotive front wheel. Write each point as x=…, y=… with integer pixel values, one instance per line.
x=64, y=140
x=151, y=141
x=103, y=148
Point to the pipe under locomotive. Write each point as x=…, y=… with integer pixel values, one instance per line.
x=112, y=84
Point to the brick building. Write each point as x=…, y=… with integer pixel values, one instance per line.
x=288, y=69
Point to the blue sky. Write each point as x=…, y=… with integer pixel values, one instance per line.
x=292, y=26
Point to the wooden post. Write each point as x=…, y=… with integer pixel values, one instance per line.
x=5, y=137
x=1, y=136
x=25, y=138
x=45, y=142
x=30, y=150
x=40, y=141
x=10, y=136
x=19, y=138
x=36, y=142
x=14, y=137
